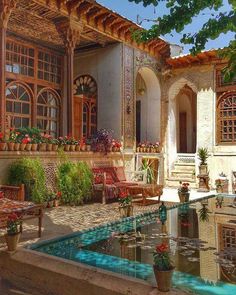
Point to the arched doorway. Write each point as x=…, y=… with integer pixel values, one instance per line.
x=186, y=120
x=85, y=106
x=148, y=106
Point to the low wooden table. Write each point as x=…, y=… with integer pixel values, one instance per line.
x=27, y=210
x=146, y=191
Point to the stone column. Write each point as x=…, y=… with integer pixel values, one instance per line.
x=6, y=7
x=70, y=33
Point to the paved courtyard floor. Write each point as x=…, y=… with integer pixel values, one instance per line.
x=66, y=219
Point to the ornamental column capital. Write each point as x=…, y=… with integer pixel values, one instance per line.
x=6, y=7
x=70, y=33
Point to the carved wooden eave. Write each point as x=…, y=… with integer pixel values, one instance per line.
x=6, y=7
x=105, y=22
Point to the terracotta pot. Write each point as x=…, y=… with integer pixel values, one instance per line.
x=153, y=150
x=72, y=147
x=28, y=147
x=10, y=146
x=34, y=147
x=67, y=147
x=3, y=146
x=126, y=211
x=12, y=241
x=22, y=146
x=83, y=148
x=56, y=203
x=113, y=149
x=183, y=197
x=163, y=279
x=42, y=147
x=158, y=150
x=88, y=147
x=50, y=204
x=55, y=147
x=203, y=170
x=138, y=149
x=77, y=148
x=16, y=146
x=49, y=147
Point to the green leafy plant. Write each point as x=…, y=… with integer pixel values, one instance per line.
x=203, y=155
x=13, y=223
x=33, y=133
x=29, y=172
x=147, y=165
x=74, y=182
x=161, y=258
x=204, y=213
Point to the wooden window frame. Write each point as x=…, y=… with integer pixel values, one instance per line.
x=219, y=120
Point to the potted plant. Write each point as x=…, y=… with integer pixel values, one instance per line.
x=73, y=144
x=163, y=267
x=49, y=142
x=3, y=144
x=13, y=231
x=24, y=141
x=203, y=156
x=55, y=144
x=77, y=147
x=12, y=139
x=183, y=192
x=102, y=141
x=222, y=183
x=157, y=147
x=56, y=201
x=43, y=143
x=125, y=205
x=116, y=145
x=204, y=213
x=67, y=143
x=82, y=144
x=50, y=197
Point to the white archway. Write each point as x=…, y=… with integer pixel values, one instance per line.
x=179, y=102
x=149, y=97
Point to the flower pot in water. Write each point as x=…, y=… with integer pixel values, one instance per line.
x=3, y=146
x=28, y=147
x=16, y=146
x=163, y=278
x=42, y=147
x=12, y=241
x=10, y=146
x=72, y=147
x=34, y=147
x=67, y=148
x=22, y=146
x=183, y=197
x=126, y=211
x=49, y=147
x=55, y=147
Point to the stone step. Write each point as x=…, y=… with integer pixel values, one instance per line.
x=183, y=174
x=187, y=166
x=174, y=182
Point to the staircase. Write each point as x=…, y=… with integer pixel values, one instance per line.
x=184, y=170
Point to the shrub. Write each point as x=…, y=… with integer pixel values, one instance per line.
x=29, y=172
x=74, y=182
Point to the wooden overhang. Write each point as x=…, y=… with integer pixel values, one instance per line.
x=36, y=19
x=205, y=57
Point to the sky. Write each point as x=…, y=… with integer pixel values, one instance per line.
x=132, y=10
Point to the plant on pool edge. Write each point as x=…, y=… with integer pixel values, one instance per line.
x=161, y=258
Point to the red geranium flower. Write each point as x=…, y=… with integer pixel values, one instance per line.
x=162, y=248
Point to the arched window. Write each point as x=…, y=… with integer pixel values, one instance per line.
x=48, y=111
x=85, y=92
x=18, y=105
x=226, y=110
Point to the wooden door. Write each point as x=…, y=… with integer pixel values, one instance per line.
x=78, y=113
x=183, y=132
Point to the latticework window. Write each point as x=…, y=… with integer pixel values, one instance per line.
x=19, y=59
x=220, y=81
x=227, y=117
x=18, y=105
x=85, y=89
x=48, y=111
x=49, y=67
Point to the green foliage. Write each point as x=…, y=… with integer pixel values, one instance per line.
x=204, y=213
x=181, y=14
x=74, y=182
x=33, y=133
x=29, y=172
x=147, y=165
x=203, y=155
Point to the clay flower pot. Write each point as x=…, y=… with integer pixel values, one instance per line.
x=72, y=147
x=67, y=147
x=34, y=147
x=83, y=148
x=203, y=170
x=12, y=241
x=138, y=149
x=22, y=146
x=42, y=147
x=126, y=211
x=88, y=147
x=163, y=278
x=56, y=203
x=28, y=147
x=3, y=146
x=183, y=197
x=49, y=147
x=77, y=148
x=16, y=146
x=10, y=146
x=55, y=147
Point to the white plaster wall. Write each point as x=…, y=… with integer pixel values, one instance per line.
x=150, y=106
x=105, y=66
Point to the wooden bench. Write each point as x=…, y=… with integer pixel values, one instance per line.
x=111, y=181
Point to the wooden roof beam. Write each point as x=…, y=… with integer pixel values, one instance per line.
x=99, y=20
x=83, y=9
x=73, y=4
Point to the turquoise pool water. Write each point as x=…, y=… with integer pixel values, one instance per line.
x=126, y=248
